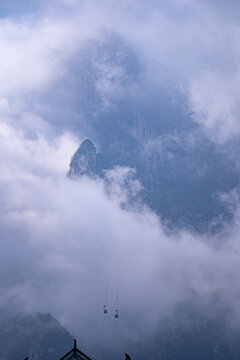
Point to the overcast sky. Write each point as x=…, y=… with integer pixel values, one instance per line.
x=65, y=243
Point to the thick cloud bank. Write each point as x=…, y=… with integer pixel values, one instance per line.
x=65, y=243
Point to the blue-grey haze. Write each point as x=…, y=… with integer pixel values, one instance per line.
x=149, y=210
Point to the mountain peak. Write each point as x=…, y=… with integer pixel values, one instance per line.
x=87, y=147
x=84, y=161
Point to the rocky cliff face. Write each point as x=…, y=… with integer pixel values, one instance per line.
x=145, y=125
x=177, y=184
x=85, y=161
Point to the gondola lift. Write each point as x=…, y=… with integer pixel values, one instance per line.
x=105, y=310
x=116, y=315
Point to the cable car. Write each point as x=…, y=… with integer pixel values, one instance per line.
x=116, y=315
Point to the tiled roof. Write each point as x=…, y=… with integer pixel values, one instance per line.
x=75, y=353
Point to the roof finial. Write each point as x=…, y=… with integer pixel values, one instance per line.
x=75, y=344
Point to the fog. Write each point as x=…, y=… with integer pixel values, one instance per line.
x=65, y=244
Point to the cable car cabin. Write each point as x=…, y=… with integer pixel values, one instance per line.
x=116, y=315
x=105, y=311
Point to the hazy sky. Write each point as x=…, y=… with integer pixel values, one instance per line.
x=65, y=243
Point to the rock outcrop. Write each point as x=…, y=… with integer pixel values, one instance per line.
x=86, y=161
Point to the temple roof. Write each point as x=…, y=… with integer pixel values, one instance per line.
x=75, y=353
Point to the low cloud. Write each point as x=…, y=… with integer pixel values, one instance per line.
x=65, y=243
